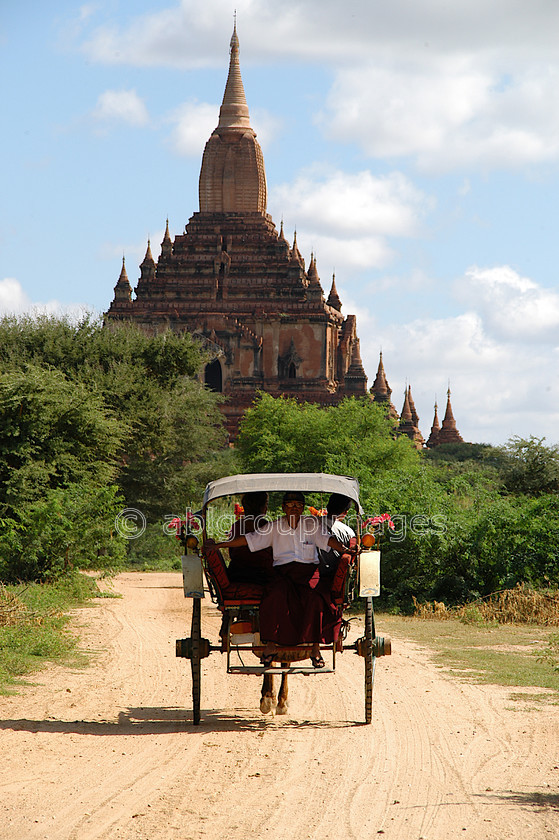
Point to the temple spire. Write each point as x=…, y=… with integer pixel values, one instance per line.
x=232, y=177
x=147, y=268
x=408, y=425
x=414, y=414
x=433, y=438
x=333, y=298
x=123, y=290
x=234, y=109
x=149, y=256
x=166, y=245
x=355, y=381
x=449, y=433
x=312, y=273
x=406, y=415
x=380, y=387
x=382, y=391
x=296, y=255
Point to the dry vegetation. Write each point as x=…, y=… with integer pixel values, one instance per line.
x=13, y=611
x=521, y=605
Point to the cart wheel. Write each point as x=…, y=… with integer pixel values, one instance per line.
x=196, y=636
x=370, y=658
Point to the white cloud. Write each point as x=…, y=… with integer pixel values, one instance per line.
x=513, y=308
x=267, y=126
x=191, y=33
x=12, y=297
x=469, y=83
x=15, y=301
x=121, y=106
x=348, y=219
x=449, y=113
x=181, y=36
x=194, y=122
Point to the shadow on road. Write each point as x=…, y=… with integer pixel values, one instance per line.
x=531, y=799
x=146, y=720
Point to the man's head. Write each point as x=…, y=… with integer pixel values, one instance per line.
x=293, y=501
x=254, y=504
x=337, y=505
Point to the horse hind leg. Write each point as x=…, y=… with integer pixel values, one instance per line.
x=268, y=701
x=283, y=692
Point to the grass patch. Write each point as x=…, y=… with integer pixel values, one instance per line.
x=511, y=655
x=33, y=625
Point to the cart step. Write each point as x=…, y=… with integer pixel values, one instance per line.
x=292, y=669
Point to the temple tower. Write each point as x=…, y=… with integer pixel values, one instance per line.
x=235, y=283
x=448, y=432
x=433, y=438
x=381, y=390
x=409, y=420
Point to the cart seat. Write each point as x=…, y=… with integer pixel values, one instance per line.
x=338, y=587
x=229, y=594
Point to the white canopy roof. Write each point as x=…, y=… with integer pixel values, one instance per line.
x=281, y=482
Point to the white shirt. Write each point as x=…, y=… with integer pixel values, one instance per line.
x=291, y=545
x=341, y=531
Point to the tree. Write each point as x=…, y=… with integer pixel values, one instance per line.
x=355, y=437
x=530, y=466
x=169, y=422
x=93, y=420
x=58, y=459
x=53, y=433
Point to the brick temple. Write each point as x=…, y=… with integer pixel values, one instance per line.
x=234, y=281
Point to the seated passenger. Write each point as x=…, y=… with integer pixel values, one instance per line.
x=296, y=608
x=336, y=510
x=247, y=566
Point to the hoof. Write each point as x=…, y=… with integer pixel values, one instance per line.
x=281, y=709
x=267, y=704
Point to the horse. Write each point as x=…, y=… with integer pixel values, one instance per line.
x=269, y=702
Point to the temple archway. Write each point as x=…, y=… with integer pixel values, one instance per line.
x=213, y=376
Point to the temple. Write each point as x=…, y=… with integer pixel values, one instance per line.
x=448, y=433
x=234, y=282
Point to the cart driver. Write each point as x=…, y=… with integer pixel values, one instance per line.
x=297, y=608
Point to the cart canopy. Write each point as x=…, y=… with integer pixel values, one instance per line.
x=282, y=482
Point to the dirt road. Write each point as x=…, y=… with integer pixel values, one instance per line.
x=108, y=752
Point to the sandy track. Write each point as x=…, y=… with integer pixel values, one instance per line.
x=109, y=751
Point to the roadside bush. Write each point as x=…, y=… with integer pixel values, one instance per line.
x=72, y=527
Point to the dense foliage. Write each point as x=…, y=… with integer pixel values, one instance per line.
x=470, y=518
x=94, y=420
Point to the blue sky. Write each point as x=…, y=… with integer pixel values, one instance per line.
x=414, y=146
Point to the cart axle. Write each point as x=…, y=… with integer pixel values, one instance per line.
x=382, y=646
x=183, y=647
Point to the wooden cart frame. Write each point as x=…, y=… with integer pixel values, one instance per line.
x=357, y=577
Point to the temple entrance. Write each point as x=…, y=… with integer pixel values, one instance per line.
x=213, y=376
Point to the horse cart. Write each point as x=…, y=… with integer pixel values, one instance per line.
x=356, y=576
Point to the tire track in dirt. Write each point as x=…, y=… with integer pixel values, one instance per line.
x=109, y=751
